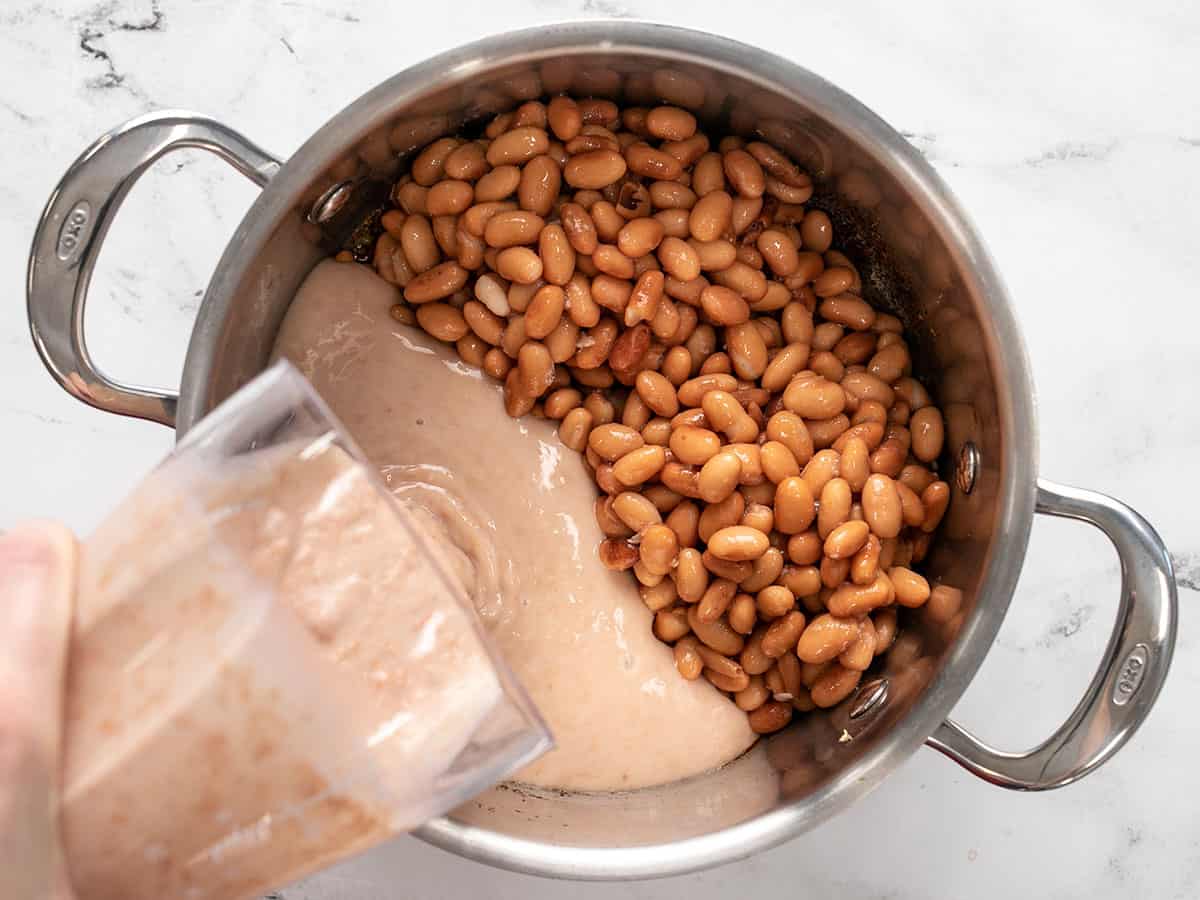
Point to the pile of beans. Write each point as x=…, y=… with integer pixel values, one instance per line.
x=765, y=459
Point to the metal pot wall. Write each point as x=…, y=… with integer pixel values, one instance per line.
x=919, y=257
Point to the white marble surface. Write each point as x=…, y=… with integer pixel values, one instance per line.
x=1072, y=133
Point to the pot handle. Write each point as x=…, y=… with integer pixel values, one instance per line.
x=71, y=232
x=1131, y=673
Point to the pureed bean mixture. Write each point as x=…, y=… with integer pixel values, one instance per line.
x=766, y=461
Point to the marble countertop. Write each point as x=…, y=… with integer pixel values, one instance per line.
x=1071, y=131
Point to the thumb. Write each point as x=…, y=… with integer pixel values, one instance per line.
x=37, y=584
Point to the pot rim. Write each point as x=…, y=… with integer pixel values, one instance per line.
x=1015, y=406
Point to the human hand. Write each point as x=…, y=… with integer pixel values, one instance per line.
x=37, y=588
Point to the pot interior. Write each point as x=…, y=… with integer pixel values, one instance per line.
x=918, y=259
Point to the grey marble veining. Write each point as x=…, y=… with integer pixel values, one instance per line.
x=1071, y=131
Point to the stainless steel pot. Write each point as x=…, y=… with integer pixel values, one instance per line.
x=919, y=256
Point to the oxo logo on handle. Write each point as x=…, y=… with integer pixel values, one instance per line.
x=1131, y=674
x=74, y=230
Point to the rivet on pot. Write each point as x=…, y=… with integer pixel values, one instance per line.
x=967, y=468
x=870, y=697
x=331, y=201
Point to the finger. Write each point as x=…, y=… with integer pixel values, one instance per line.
x=37, y=585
